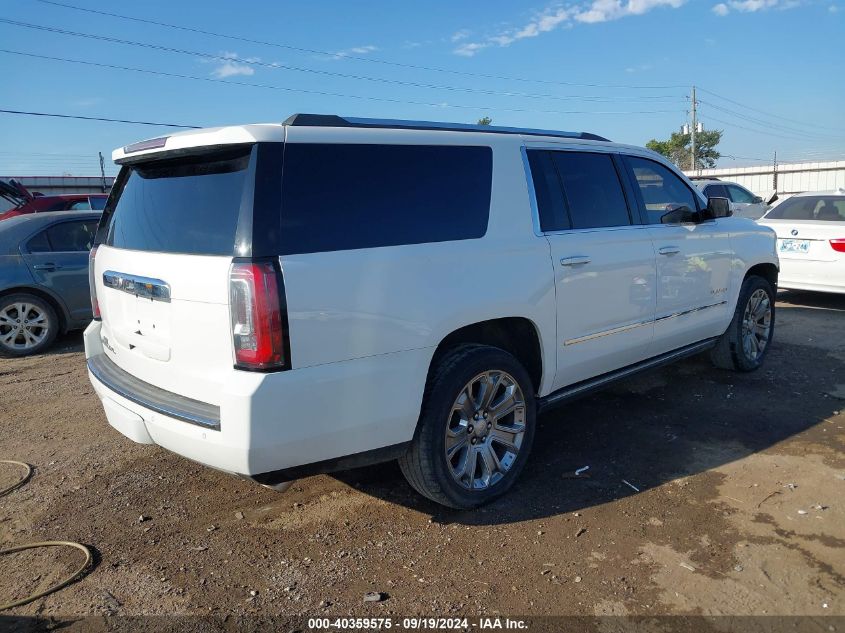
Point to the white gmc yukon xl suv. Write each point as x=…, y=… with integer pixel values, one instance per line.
x=281, y=300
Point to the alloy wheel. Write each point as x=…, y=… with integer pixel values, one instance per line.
x=22, y=326
x=485, y=430
x=756, y=324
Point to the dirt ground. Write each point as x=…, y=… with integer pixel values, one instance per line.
x=740, y=507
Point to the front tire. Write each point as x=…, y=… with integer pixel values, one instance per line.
x=28, y=325
x=746, y=342
x=475, y=430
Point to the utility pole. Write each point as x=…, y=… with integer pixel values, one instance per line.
x=693, y=130
x=103, y=171
x=775, y=172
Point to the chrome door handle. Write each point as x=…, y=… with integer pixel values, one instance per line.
x=669, y=250
x=578, y=260
x=46, y=266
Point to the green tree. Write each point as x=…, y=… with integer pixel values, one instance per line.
x=485, y=121
x=677, y=148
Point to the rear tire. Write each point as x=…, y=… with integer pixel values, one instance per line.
x=28, y=325
x=475, y=430
x=746, y=342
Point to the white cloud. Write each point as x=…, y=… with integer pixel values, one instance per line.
x=833, y=9
x=752, y=6
x=607, y=10
x=555, y=17
x=639, y=69
x=462, y=34
x=234, y=65
x=355, y=50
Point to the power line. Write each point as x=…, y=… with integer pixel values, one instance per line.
x=314, y=71
x=776, y=126
x=335, y=55
x=776, y=116
x=321, y=92
x=96, y=118
x=758, y=131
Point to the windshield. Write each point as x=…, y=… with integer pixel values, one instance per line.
x=818, y=208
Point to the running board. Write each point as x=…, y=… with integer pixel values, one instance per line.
x=593, y=384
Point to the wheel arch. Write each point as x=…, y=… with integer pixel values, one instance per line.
x=53, y=300
x=518, y=336
x=767, y=271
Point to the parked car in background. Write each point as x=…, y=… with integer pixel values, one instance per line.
x=402, y=289
x=811, y=240
x=43, y=278
x=25, y=202
x=744, y=203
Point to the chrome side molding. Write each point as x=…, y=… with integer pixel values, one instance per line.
x=146, y=287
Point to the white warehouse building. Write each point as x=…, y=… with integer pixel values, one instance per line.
x=785, y=178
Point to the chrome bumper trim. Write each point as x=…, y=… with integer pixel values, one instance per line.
x=150, y=397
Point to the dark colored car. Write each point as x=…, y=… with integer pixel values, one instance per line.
x=43, y=278
x=25, y=202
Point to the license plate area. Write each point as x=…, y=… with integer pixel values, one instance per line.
x=793, y=246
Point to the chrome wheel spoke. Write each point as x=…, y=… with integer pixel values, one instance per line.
x=490, y=383
x=469, y=466
x=454, y=443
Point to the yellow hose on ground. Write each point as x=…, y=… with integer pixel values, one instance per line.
x=89, y=558
x=21, y=482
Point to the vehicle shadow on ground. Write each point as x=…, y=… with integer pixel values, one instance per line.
x=649, y=430
x=812, y=300
x=67, y=343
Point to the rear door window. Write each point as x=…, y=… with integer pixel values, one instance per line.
x=738, y=194
x=350, y=196
x=592, y=190
x=68, y=237
x=716, y=191
x=185, y=205
x=550, y=204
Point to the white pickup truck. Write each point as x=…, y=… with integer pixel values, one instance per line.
x=288, y=299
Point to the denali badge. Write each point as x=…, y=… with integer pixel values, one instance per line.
x=107, y=346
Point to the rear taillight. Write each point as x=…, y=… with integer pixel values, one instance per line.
x=838, y=245
x=258, y=316
x=95, y=305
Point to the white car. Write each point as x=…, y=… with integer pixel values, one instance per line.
x=287, y=299
x=744, y=203
x=811, y=240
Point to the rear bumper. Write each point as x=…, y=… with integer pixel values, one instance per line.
x=813, y=275
x=795, y=284
x=277, y=424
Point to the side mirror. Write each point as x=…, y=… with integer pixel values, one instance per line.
x=757, y=200
x=718, y=208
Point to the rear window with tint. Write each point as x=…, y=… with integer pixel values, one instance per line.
x=341, y=197
x=182, y=205
x=821, y=208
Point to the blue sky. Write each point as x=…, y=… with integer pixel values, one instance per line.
x=769, y=72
